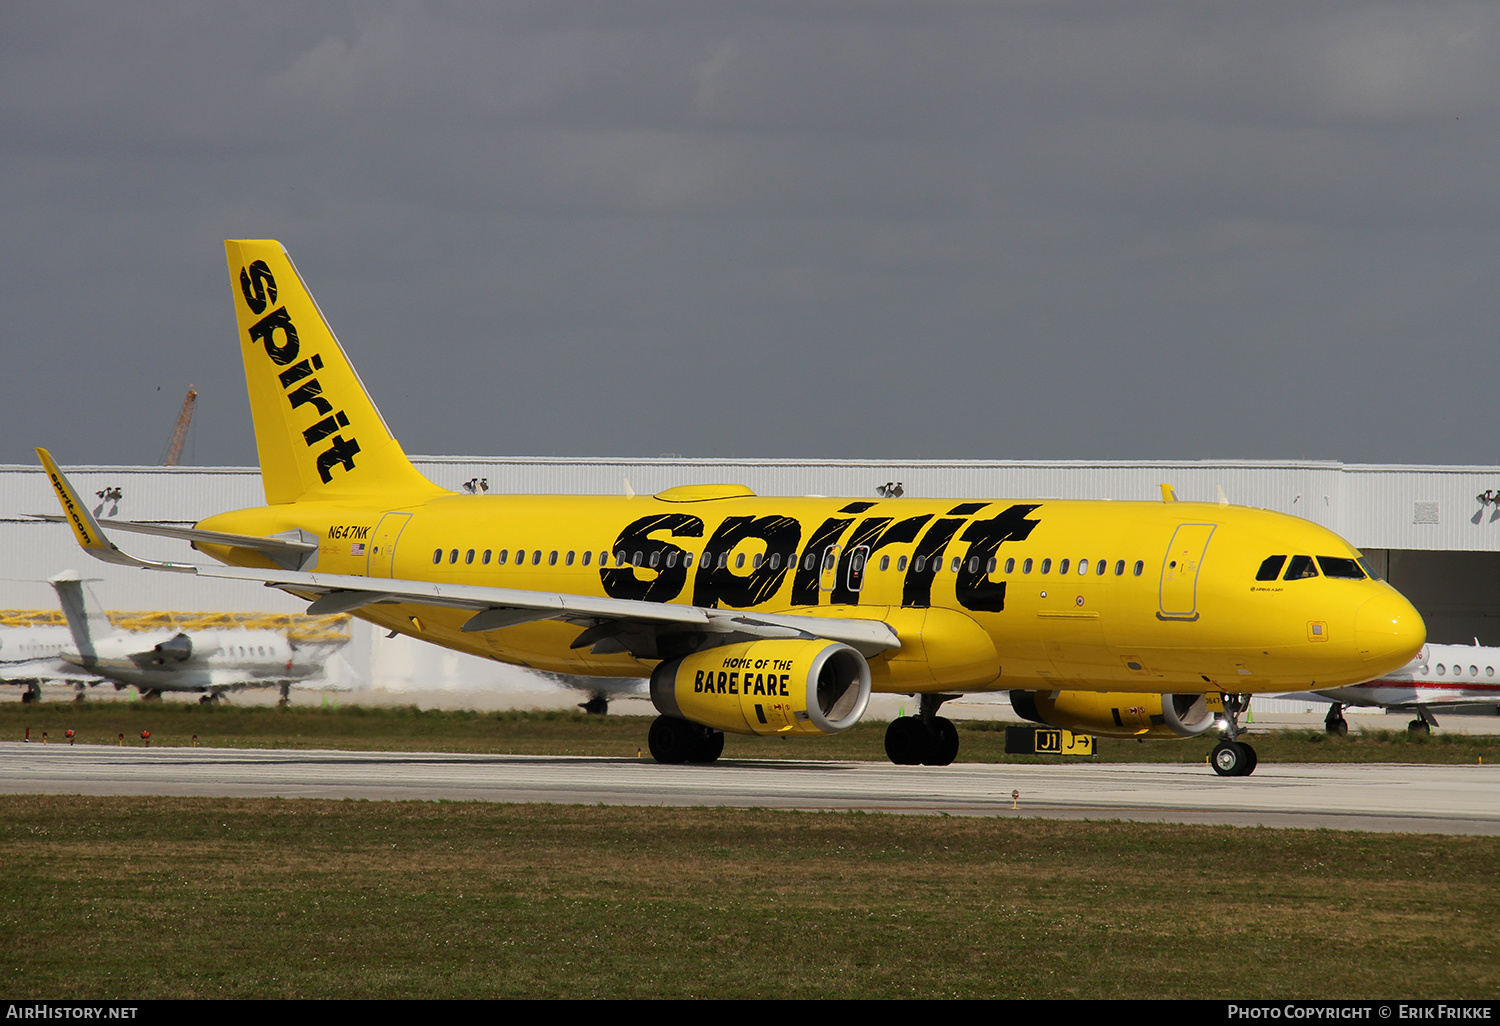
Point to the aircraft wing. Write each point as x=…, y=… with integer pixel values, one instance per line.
x=1403, y=695
x=495, y=608
x=609, y=622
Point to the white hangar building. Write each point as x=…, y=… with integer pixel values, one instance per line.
x=1434, y=532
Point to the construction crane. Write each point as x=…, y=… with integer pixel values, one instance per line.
x=179, y=434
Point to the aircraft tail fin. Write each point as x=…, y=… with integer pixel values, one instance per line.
x=317, y=431
x=85, y=621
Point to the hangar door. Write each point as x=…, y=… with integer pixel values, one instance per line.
x=1457, y=593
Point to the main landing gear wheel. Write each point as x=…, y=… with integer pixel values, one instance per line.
x=1233, y=759
x=944, y=742
x=709, y=747
x=910, y=741
x=1335, y=723
x=674, y=741
x=907, y=741
x=1419, y=727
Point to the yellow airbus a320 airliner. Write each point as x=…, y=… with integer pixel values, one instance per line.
x=772, y=615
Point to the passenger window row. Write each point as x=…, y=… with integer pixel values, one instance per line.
x=1101, y=568
x=503, y=557
x=1458, y=671
x=654, y=560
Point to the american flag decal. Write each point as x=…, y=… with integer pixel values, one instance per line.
x=357, y=549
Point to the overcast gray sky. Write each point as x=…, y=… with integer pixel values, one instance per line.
x=1249, y=228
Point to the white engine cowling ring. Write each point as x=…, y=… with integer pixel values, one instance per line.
x=1187, y=715
x=774, y=686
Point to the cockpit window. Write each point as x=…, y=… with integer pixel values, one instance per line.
x=1364, y=564
x=1299, y=568
x=1341, y=567
x=1270, y=569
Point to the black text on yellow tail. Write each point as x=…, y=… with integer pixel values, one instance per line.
x=318, y=433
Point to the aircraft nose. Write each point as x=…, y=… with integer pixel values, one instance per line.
x=1388, y=631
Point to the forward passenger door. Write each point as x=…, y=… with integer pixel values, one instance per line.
x=1179, y=572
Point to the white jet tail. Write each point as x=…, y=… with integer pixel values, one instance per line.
x=85, y=622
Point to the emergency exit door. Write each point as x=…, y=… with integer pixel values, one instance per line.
x=382, y=551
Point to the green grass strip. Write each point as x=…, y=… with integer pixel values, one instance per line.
x=118, y=898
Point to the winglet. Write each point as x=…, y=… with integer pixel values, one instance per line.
x=1168, y=493
x=85, y=528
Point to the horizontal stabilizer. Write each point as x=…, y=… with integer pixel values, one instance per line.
x=194, y=534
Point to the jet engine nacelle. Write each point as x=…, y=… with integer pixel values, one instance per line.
x=176, y=649
x=1119, y=713
x=766, y=687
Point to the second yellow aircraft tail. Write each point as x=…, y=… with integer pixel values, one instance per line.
x=318, y=433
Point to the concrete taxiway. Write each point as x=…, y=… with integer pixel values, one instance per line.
x=1382, y=797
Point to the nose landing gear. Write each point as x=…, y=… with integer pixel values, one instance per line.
x=1232, y=758
x=1422, y=725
